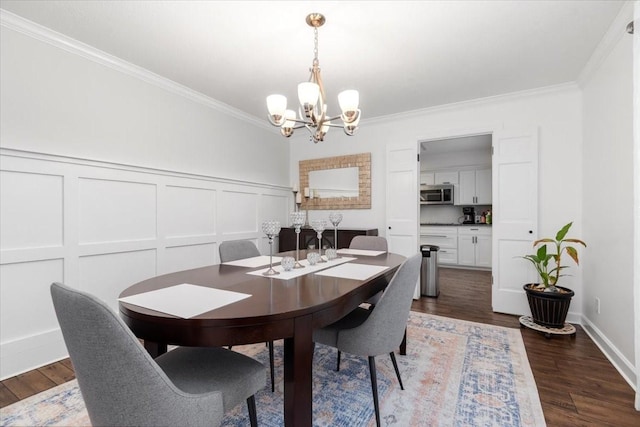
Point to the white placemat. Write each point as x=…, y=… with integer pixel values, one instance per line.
x=185, y=300
x=253, y=262
x=297, y=272
x=363, y=252
x=353, y=271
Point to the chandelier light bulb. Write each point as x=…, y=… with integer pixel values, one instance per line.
x=348, y=101
x=277, y=104
x=308, y=93
x=289, y=123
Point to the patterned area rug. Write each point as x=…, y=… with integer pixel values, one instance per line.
x=456, y=373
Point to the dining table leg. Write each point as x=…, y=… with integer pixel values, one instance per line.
x=298, y=371
x=155, y=349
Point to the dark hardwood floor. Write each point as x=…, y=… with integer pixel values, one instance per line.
x=576, y=383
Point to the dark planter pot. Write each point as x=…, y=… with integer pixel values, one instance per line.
x=549, y=308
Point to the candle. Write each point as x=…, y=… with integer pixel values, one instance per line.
x=298, y=198
x=295, y=187
x=306, y=191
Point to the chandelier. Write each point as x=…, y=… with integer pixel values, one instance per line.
x=312, y=109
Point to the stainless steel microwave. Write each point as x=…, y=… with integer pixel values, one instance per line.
x=436, y=194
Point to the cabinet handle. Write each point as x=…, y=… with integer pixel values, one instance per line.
x=433, y=235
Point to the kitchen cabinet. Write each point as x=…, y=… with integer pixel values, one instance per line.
x=438, y=177
x=474, y=246
x=446, y=238
x=287, y=240
x=475, y=187
x=427, y=178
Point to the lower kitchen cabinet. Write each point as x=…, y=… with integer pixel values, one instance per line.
x=446, y=238
x=474, y=246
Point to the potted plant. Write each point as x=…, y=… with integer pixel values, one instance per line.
x=549, y=303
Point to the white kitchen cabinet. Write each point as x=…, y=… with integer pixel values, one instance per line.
x=427, y=178
x=438, y=177
x=446, y=177
x=475, y=187
x=446, y=238
x=474, y=246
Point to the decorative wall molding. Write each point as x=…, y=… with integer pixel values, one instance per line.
x=44, y=34
x=616, y=31
x=101, y=227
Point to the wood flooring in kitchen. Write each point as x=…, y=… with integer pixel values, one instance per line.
x=577, y=385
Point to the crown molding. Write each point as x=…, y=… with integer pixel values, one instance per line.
x=616, y=31
x=511, y=96
x=44, y=34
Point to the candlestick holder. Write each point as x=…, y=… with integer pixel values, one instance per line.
x=271, y=229
x=297, y=220
x=335, y=218
x=319, y=226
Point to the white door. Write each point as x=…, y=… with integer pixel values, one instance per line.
x=515, y=216
x=402, y=199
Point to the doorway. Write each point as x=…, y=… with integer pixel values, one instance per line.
x=462, y=228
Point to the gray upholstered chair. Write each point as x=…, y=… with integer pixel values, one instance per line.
x=374, y=332
x=123, y=386
x=372, y=243
x=237, y=249
x=233, y=250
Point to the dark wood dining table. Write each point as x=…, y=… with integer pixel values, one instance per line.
x=277, y=309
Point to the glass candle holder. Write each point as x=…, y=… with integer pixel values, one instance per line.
x=297, y=220
x=335, y=218
x=271, y=229
x=287, y=263
x=319, y=226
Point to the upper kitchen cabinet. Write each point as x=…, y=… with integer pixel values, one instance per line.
x=475, y=187
x=439, y=177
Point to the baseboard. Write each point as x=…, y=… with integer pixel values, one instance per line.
x=25, y=354
x=610, y=351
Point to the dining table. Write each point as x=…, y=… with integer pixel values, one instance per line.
x=273, y=308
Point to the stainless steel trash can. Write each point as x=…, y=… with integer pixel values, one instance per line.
x=429, y=286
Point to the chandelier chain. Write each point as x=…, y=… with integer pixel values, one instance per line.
x=315, y=47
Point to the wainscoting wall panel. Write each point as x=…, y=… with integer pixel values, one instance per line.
x=104, y=275
x=101, y=227
x=31, y=212
x=179, y=258
x=114, y=211
x=25, y=302
x=190, y=212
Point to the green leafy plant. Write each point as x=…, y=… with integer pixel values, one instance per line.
x=548, y=264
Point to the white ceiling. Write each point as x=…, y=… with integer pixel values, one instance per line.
x=400, y=55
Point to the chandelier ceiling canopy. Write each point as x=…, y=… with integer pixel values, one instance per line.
x=312, y=111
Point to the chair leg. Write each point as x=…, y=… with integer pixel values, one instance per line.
x=338, y=365
x=251, y=405
x=273, y=384
x=403, y=344
x=374, y=388
x=395, y=366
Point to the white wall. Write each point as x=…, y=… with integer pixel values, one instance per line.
x=556, y=112
x=608, y=204
x=109, y=176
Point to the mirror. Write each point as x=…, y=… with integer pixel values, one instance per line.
x=329, y=183
x=342, y=182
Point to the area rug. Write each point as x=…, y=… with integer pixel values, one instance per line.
x=456, y=373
